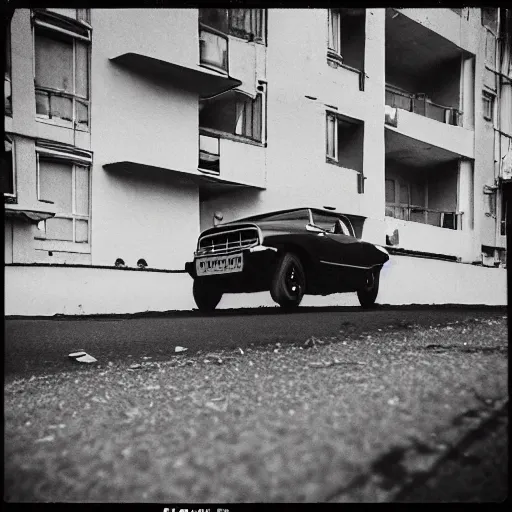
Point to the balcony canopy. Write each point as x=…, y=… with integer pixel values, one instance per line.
x=207, y=183
x=414, y=153
x=207, y=83
x=26, y=214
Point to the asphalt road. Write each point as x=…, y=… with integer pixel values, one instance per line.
x=339, y=405
x=35, y=346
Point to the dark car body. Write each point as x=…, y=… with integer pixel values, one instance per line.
x=328, y=245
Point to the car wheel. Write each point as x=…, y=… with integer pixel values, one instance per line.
x=206, y=296
x=289, y=281
x=368, y=294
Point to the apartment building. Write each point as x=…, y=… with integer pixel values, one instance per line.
x=121, y=145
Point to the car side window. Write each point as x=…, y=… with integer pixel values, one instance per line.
x=331, y=224
x=340, y=228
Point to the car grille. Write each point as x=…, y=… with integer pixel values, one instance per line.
x=228, y=241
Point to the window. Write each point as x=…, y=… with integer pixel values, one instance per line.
x=249, y=117
x=332, y=137
x=344, y=141
x=8, y=173
x=65, y=184
x=235, y=113
x=346, y=35
x=247, y=24
x=214, y=18
x=331, y=223
x=62, y=73
x=490, y=50
x=488, y=105
x=490, y=18
x=405, y=200
x=7, y=79
x=503, y=216
x=334, y=25
x=213, y=50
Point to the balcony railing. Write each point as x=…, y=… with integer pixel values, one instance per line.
x=440, y=218
x=420, y=104
x=209, y=154
x=213, y=50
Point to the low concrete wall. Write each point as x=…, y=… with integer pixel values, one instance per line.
x=46, y=291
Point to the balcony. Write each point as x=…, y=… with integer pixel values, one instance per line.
x=439, y=218
x=427, y=74
x=420, y=104
x=221, y=155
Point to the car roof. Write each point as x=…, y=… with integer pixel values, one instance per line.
x=323, y=211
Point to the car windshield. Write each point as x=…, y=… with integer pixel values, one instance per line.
x=330, y=223
x=302, y=215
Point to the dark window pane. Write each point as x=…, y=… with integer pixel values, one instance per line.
x=214, y=18
x=61, y=107
x=404, y=194
x=7, y=169
x=82, y=190
x=55, y=184
x=213, y=50
x=82, y=113
x=42, y=103
x=54, y=61
x=82, y=69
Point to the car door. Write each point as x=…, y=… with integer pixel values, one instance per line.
x=340, y=251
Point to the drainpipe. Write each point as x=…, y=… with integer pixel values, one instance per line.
x=497, y=134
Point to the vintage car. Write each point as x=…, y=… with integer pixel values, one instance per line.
x=289, y=253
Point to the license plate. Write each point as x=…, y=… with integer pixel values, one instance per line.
x=220, y=265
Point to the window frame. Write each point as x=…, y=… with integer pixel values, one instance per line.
x=8, y=71
x=14, y=194
x=488, y=98
x=47, y=27
x=335, y=157
x=249, y=36
x=74, y=161
x=335, y=50
x=231, y=131
x=252, y=104
x=503, y=205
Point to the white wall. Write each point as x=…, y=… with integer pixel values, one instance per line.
x=170, y=35
x=86, y=291
x=149, y=122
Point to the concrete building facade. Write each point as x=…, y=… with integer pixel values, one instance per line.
x=122, y=145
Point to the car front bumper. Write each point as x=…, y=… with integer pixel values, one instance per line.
x=258, y=267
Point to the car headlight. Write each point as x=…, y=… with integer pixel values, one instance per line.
x=381, y=249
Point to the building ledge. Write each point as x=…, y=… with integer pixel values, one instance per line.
x=201, y=80
x=27, y=214
x=189, y=177
x=420, y=254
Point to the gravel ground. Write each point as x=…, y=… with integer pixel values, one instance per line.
x=345, y=418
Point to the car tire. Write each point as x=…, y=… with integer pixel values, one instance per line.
x=206, y=296
x=368, y=294
x=289, y=281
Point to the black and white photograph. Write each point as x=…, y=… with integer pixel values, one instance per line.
x=256, y=254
